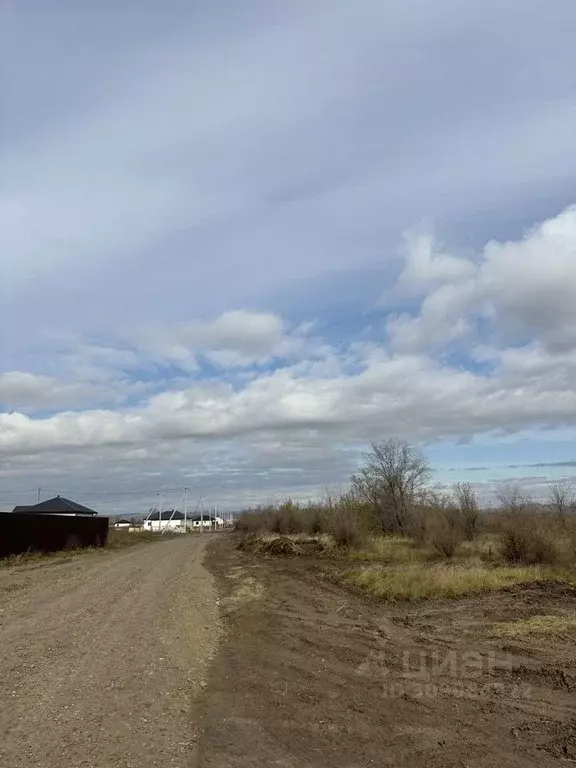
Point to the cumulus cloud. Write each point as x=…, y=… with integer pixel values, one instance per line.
x=523, y=290
x=529, y=286
x=426, y=266
x=235, y=339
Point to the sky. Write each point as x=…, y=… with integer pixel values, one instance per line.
x=239, y=241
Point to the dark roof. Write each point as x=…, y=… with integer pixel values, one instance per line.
x=199, y=518
x=166, y=515
x=55, y=506
x=124, y=521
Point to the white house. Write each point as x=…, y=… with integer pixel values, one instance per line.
x=123, y=525
x=172, y=520
x=206, y=521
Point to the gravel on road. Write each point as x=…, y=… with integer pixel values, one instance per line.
x=103, y=655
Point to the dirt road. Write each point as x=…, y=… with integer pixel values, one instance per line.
x=102, y=657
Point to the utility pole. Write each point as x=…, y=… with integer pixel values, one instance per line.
x=201, y=514
x=160, y=513
x=185, y=507
x=38, y=495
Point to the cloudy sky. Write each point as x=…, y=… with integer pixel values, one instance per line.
x=242, y=239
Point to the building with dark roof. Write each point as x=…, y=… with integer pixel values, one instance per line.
x=167, y=514
x=171, y=520
x=59, y=505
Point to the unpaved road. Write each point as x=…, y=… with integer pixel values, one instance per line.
x=103, y=656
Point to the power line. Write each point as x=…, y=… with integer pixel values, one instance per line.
x=79, y=492
x=26, y=490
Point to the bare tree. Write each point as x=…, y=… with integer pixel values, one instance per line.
x=561, y=498
x=394, y=475
x=469, y=506
x=512, y=499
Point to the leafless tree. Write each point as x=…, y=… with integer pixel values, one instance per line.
x=469, y=506
x=561, y=498
x=391, y=480
x=512, y=499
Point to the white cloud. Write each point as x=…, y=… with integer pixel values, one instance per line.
x=237, y=338
x=524, y=289
x=530, y=285
x=426, y=267
x=27, y=391
x=404, y=395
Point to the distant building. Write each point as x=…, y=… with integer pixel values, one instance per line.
x=171, y=520
x=123, y=524
x=56, y=506
x=206, y=521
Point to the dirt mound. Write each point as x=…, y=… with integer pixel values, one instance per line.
x=248, y=543
x=282, y=546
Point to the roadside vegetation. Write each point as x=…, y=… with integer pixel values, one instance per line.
x=395, y=536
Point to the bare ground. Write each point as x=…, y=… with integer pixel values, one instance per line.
x=105, y=661
x=102, y=657
x=312, y=675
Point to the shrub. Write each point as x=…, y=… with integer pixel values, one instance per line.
x=446, y=532
x=287, y=518
x=418, y=525
x=438, y=522
x=251, y=522
x=315, y=520
x=469, y=507
x=346, y=531
x=528, y=540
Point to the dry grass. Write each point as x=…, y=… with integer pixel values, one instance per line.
x=414, y=582
x=536, y=625
x=392, y=549
x=123, y=539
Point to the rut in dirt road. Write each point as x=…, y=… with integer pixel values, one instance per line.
x=102, y=656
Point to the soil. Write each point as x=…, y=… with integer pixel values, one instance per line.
x=311, y=674
x=103, y=655
x=142, y=657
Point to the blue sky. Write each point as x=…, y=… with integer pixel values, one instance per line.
x=241, y=240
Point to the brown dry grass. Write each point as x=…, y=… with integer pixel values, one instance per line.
x=414, y=582
x=536, y=625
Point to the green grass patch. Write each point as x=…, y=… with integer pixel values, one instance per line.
x=420, y=581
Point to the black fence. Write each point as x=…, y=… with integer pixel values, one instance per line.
x=26, y=531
